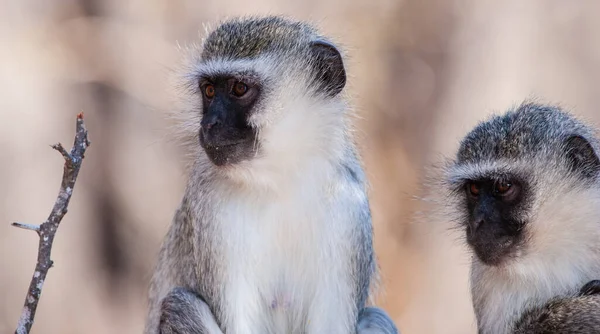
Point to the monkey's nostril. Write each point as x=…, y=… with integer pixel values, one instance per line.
x=476, y=223
x=209, y=123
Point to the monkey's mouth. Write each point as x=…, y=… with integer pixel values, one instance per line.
x=228, y=153
x=217, y=147
x=492, y=248
x=494, y=255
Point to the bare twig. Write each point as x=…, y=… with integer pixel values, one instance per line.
x=27, y=226
x=47, y=229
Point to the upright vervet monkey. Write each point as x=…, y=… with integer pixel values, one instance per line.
x=274, y=233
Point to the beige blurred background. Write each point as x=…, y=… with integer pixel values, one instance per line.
x=422, y=73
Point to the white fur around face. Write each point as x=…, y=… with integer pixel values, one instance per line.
x=562, y=254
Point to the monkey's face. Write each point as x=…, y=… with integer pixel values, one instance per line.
x=525, y=190
x=494, y=220
x=225, y=132
x=271, y=101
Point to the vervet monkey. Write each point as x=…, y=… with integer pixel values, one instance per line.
x=274, y=233
x=526, y=191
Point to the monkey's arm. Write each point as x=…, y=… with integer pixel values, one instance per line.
x=373, y=320
x=174, y=306
x=574, y=315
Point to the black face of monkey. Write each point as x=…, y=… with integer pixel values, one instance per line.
x=494, y=227
x=225, y=133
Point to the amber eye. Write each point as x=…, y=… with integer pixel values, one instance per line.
x=473, y=188
x=209, y=91
x=502, y=187
x=239, y=89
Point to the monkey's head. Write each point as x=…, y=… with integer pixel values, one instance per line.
x=267, y=95
x=527, y=187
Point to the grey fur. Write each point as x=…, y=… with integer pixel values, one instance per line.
x=183, y=310
x=189, y=289
x=251, y=37
x=574, y=315
x=373, y=320
x=531, y=131
x=547, y=148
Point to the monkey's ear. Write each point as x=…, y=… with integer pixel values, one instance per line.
x=582, y=157
x=329, y=67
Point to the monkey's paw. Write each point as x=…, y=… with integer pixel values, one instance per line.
x=591, y=288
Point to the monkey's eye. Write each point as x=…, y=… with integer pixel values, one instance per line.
x=473, y=188
x=503, y=188
x=239, y=89
x=209, y=91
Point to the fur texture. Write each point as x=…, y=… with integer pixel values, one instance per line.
x=182, y=309
x=560, y=251
x=282, y=242
x=573, y=315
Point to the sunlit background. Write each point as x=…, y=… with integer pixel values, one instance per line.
x=422, y=73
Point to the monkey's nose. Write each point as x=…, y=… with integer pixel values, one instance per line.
x=210, y=122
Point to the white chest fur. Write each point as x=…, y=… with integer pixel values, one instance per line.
x=288, y=262
x=501, y=297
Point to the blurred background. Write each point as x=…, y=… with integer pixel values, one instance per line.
x=422, y=73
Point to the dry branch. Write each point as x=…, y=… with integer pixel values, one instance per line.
x=47, y=229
